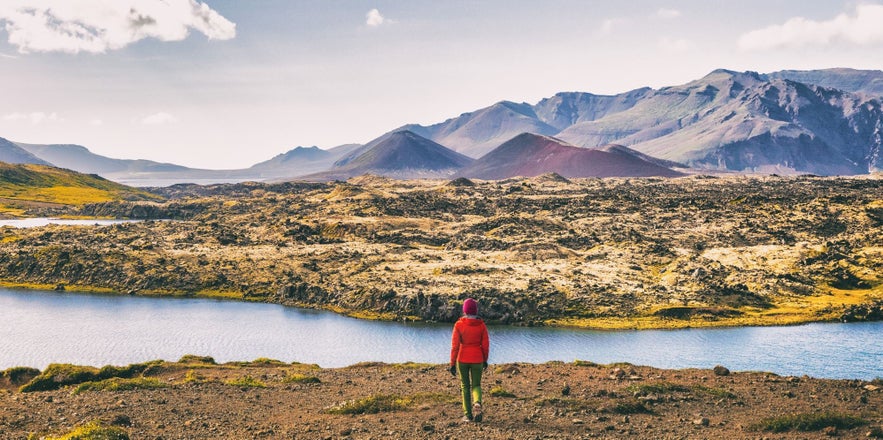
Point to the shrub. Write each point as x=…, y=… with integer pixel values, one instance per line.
x=581, y=363
x=58, y=375
x=19, y=375
x=194, y=359
x=246, y=381
x=370, y=405
x=809, y=422
x=94, y=431
x=301, y=378
x=119, y=384
x=499, y=391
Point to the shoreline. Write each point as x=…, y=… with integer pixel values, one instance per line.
x=199, y=399
x=755, y=318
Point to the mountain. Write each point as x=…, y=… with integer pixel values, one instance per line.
x=743, y=122
x=79, y=158
x=869, y=82
x=300, y=161
x=24, y=184
x=402, y=154
x=822, y=122
x=12, y=153
x=474, y=134
x=531, y=155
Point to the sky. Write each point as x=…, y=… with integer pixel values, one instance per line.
x=228, y=83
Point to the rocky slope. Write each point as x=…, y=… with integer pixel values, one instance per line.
x=197, y=399
x=606, y=253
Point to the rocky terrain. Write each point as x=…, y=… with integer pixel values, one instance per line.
x=266, y=399
x=604, y=253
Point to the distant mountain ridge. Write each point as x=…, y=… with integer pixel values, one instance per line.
x=727, y=121
x=11, y=153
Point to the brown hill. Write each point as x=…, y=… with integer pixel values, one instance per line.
x=531, y=155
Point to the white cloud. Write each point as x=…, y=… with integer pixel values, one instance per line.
x=97, y=26
x=159, y=118
x=96, y=122
x=668, y=13
x=864, y=27
x=373, y=18
x=34, y=117
x=676, y=45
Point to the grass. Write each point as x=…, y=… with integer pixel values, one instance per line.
x=629, y=408
x=806, y=422
x=499, y=391
x=656, y=388
x=94, y=431
x=246, y=382
x=56, y=376
x=300, y=378
x=194, y=359
x=581, y=363
x=38, y=183
x=119, y=384
x=19, y=375
x=194, y=377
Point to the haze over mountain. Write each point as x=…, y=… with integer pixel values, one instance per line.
x=299, y=161
x=530, y=155
x=14, y=154
x=401, y=154
x=869, y=82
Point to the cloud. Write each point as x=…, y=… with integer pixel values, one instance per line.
x=159, y=118
x=668, y=13
x=96, y=26
x=864, y=27
x=675, y=45
x=373, y=18
x=34, y=117
x=96, y=122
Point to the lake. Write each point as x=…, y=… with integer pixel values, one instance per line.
x=42, y=327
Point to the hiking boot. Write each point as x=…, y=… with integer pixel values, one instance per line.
x=466, y=419
x=476, y=412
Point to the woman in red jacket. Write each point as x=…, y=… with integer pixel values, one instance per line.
x=469, y=353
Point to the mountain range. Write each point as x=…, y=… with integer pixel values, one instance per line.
x=826, y=122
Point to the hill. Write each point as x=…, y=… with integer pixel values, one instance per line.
x=299, y=161
x=869, y=82
x=401, y=154
x=531, y=155
x=12, y=153
x=28, y=185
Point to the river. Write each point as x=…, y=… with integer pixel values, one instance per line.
x=42, y=327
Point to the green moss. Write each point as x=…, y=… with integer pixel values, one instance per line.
x=656, y=388
x=259, y=362
x=499, y=391
x=19, y=375
x=94, y=431
x=716, y=392
x=119, y=384
x=246, y=382
x=194, y=359
x=412, y=365
x=370, y=405
x=806, y=422
x=300, y=378
x=194, y=377
x=56, y=376
x=581, y=363
x=629, y=408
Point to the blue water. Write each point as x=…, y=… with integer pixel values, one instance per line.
x=38, y=328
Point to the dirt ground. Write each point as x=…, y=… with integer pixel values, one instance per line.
x=522, y=401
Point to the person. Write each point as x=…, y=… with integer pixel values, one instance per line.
x=469, y=354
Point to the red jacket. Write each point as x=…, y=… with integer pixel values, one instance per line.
x=469, y=342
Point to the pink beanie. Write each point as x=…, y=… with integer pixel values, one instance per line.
x=470, y=307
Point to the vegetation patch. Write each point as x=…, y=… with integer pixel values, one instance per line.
x=94, y=431
x=194, y=359
x=370, y=405
x=629, y=408
x=499, y=391
x=19, y=375
x=56, y=376
x=716, y=392
x=581, y=363
x=656, y=388
x=246, y=382
x=806, y=422
x=118, y=384
x=194, y=377
x=300, y=378
x=413, y=366
x=259, y=362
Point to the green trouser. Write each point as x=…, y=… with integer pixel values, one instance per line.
x=470, y=384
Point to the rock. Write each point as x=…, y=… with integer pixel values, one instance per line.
x=121, y=420
x=720, y=370
x=578, y=421
x=830, y=431
x=566, y=390
x=702, y=421
x=870, y=387
x=617, y=373
x=428, y=427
